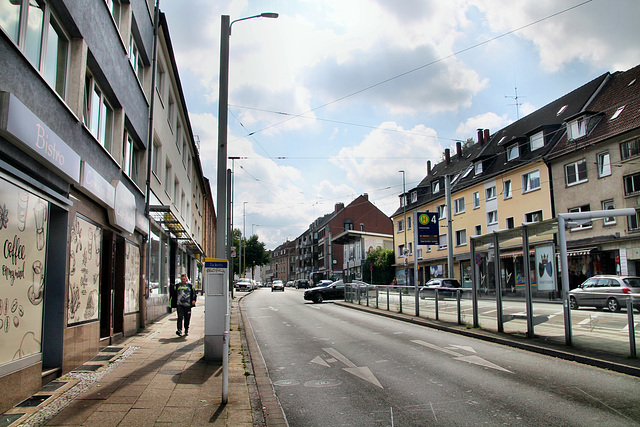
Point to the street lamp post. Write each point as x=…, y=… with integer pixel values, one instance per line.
x=217, y=308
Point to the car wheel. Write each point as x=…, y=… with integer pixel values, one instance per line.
x=317, y=298
x=573, y=303
x=613, y=304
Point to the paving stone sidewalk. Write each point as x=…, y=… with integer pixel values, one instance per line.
x=153, y=378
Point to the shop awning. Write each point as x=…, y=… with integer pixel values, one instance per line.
x=167, y=220
x=581, y=252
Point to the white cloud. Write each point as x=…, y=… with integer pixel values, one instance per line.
x=492, y=121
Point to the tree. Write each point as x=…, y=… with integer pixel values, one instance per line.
x=254, y=254
x=383, y=270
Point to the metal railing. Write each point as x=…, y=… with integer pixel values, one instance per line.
x=592, y=328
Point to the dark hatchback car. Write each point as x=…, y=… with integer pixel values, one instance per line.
x=321, y=293
x=302, y=284
x=446, y=288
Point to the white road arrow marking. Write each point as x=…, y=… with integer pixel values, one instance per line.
x=360, y=372
x=464, y=347
x=476, y=360
x=272, y=308
x=320, y=361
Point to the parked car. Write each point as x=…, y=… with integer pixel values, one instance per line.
x=277, y=285
x=302, y=284
x=329, y=292
x=244, y=285
x=445, y=287
x=604, y=291
x=289, y=284
x=325, y=282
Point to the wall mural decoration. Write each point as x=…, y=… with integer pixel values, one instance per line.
x=23, y=234
x=84, y=271
x=132, y=278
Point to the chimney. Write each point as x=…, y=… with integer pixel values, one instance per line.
x=459, y=149
x=480, y=141
x=339, y=207
x=366, y=196
x=428, y=167
x=486, y=135
x=447, y=155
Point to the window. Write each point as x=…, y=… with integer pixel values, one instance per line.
x=414, y=196
x=530, y=181
x=442, y=211
x=130, y=155
x=478, y=230
x=633, y=221
x=604, y=165
x=155, y=156
x=410, y=248
x=537, y=141
x=97, y=113
x=458, y=206
x=160, y=79
x=419, y=253
x=533, y=217
x=401, y=251
x=506, y=189
x=461, y=237
x=176, y=192
x=478, y=168
x=583, y=208
x=492, y=217
x=136, y=59
x=38, y=34
x=435, y=187
x=490, y=193
x=403, y=200
x=171, y=112
x=442, y=242
x=513, y=152
x=400, y=226
x=348, y=225
x=476, y=200
x=630, y=149
x=185, y=153
x=617, y=113
x=509, y=223
x=632, y=184
x=409, y=218
x=577, y=128
x=114, y=8
x=608, y=204
x=576, y=173
x=167, y=178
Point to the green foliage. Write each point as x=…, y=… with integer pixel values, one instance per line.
x=383, y=269
x=253, y=254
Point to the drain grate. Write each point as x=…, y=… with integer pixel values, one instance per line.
x=111, y=349
x=91, y=368
x=8, y=419
x=54, y=385
x=33, y=401
x=102, y=358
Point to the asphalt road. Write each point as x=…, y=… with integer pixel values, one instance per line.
x=332, y=366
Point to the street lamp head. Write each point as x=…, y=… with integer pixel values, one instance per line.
x=269, y=15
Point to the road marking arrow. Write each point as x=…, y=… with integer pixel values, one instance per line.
x=361, y=372
x=320, y=361
x=476, y=360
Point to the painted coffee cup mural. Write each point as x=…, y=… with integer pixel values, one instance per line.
x=24, y=221
x=84, y=271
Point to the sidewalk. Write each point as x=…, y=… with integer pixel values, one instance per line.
x=150, y=379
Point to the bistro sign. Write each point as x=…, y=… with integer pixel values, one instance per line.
x=21, y=123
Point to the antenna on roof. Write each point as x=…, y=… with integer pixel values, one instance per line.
x=517, y=104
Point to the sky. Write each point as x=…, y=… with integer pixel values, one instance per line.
x=334, y=98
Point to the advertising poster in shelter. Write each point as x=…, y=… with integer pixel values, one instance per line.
x=84, y=271
x=24, y=219
x=545, y=268
x=132, y=279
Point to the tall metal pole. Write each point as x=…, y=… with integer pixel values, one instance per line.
x=447, y=190
x=223, y=100
x=244, y=233
x=404, y=213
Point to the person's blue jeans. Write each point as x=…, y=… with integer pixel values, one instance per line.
x=184, y=313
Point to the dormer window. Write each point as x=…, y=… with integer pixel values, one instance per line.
x=414, y=196
x=478, y=167
x=513, y=152
x=537, y=141
x=577, y=128
x=435, y=187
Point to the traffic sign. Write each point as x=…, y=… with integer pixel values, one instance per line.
x=428, y=230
